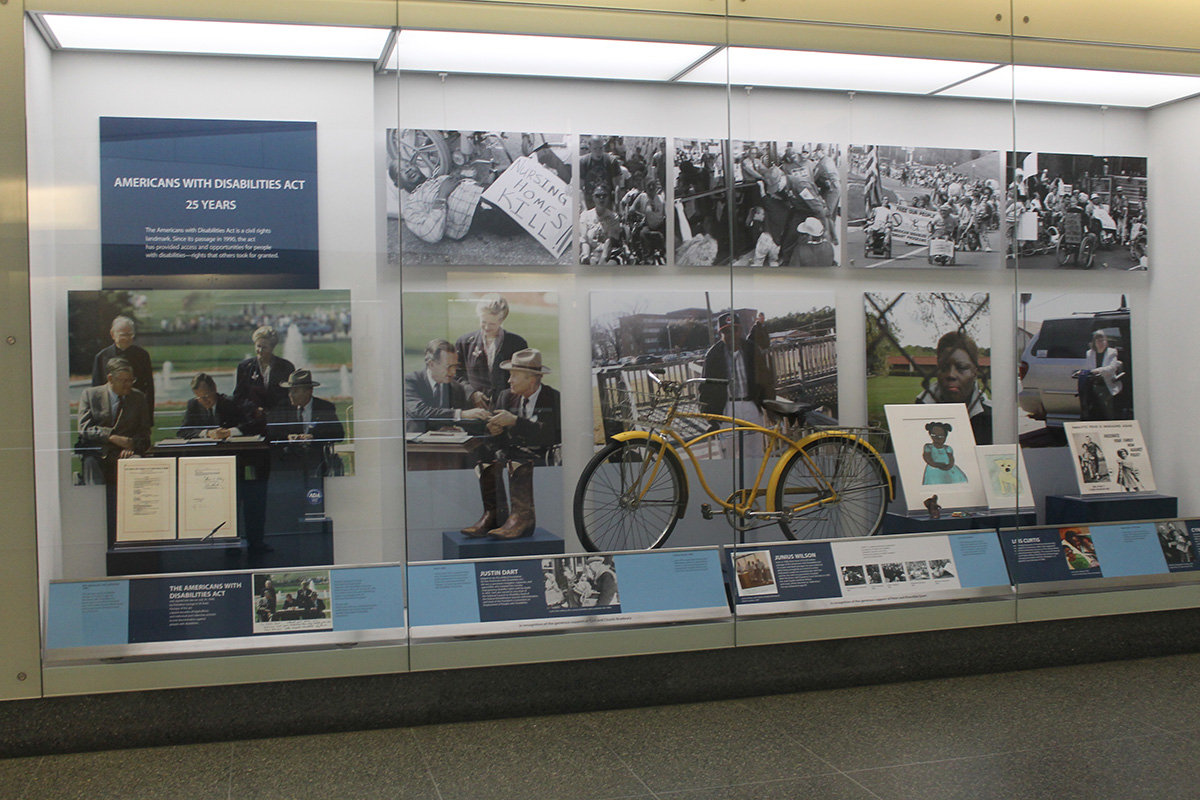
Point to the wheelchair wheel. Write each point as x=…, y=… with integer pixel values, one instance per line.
x=628, y=499
x=1087, y=251
x=845, y=470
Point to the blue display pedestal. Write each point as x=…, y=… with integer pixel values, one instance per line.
x=1064, y=509
x=541, y=543
x=898, y=523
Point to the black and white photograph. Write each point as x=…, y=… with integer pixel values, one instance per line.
x=701, y=215
x=931, y=348
x=917, y=570
x=940, y=568
x=479, y=197
x=622, y=200
x=1076, y=363
x=786, y=344
x=787, y=204
x=575, y=582
x=1177, y=545
x=1110, y=457
x=755, y=574
x=874, y=574
x=923, y=207
x=854, y=576
x=1073, y=211
x=894, y=573
x=292, y=601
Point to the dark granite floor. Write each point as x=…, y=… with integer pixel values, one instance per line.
x=1127, y=729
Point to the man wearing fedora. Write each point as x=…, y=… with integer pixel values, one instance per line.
x=526, y=426
x=741, y=381
x=305, y=420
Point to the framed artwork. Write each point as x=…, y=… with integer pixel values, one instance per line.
x=1005, y=479
x=1109, y=457
x=935, y=455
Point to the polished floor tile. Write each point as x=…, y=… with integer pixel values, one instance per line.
x=1124, y=731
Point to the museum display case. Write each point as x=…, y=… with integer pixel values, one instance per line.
x=366, y=337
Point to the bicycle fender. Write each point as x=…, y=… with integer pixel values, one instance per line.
x=629, y=436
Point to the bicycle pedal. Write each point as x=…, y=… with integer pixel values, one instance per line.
x=706, y=510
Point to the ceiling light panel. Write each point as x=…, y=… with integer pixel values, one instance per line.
x=546, y=56
x=137, y=34
x=1078, y=86
x=803, y=69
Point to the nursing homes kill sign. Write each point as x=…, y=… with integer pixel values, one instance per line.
x=537, y=199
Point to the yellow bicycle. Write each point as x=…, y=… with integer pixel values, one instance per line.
x=827, y=483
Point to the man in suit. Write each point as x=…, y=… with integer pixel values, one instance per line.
x=260, y=378
x=122, y=332
x=305, y=419
x=114, y=423
x=482, y=352
x=527, y=425
x=213, y=415
x=432, y=397
x=742, y=380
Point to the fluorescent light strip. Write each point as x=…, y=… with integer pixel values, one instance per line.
x=1077, y=86
x=805, y=69
x=141, y=35
x=542, y=56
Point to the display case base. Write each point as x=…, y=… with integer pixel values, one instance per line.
x=1071, y=509
x=541, y=543
x=899, y=523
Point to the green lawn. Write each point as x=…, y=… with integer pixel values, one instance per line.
x=889, y=390
x=191, y=358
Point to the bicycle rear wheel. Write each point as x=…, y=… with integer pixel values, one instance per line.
x=855, y=474
x=627, y=499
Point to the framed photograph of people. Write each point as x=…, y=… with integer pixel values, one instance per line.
x=622, y=200
x=482, y=417
x=698, y=175
x=933, y=348
x=923, y=206
x=478, y=197
x=1076, y=363
x=786, y=203
x=783, y=345
x=1109, y=457
x=1005, y=479
x=935, y=455
x=1077, y=211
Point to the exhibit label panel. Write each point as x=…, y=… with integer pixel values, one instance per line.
x=1055, y=558
x=531, y=594
x=186, y=197
x=156, y=615
x=832, y=575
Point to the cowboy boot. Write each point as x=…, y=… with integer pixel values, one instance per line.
x=521, y=520
x=491, y=488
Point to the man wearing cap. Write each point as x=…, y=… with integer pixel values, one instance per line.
x=527, y=427
x=741, y=381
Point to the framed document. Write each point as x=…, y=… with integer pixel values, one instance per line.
x=145, y=499
x=208, y=497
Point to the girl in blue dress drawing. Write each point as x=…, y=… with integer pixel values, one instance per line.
x=939, y=457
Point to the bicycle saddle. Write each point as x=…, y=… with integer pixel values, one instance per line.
x=785, y=408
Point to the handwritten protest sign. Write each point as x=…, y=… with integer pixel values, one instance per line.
x=911, y=225
x=537, y=199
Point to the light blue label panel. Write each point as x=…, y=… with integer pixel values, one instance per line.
x=367, y=598
x=89, y=614
x=442, y=594
x=669, y=580
x=979, y=559
x=1128, y=550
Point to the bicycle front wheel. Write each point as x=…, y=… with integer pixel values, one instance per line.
x=845, y=470
x=627, y=498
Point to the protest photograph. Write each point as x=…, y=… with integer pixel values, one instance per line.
x=787, y=203
x=1076, y=363
x=923, y=207
x=930, y=347
x=478, y=197
x=622, y=200
x=783, y=346
x=1068, y=211
x=701, y=205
